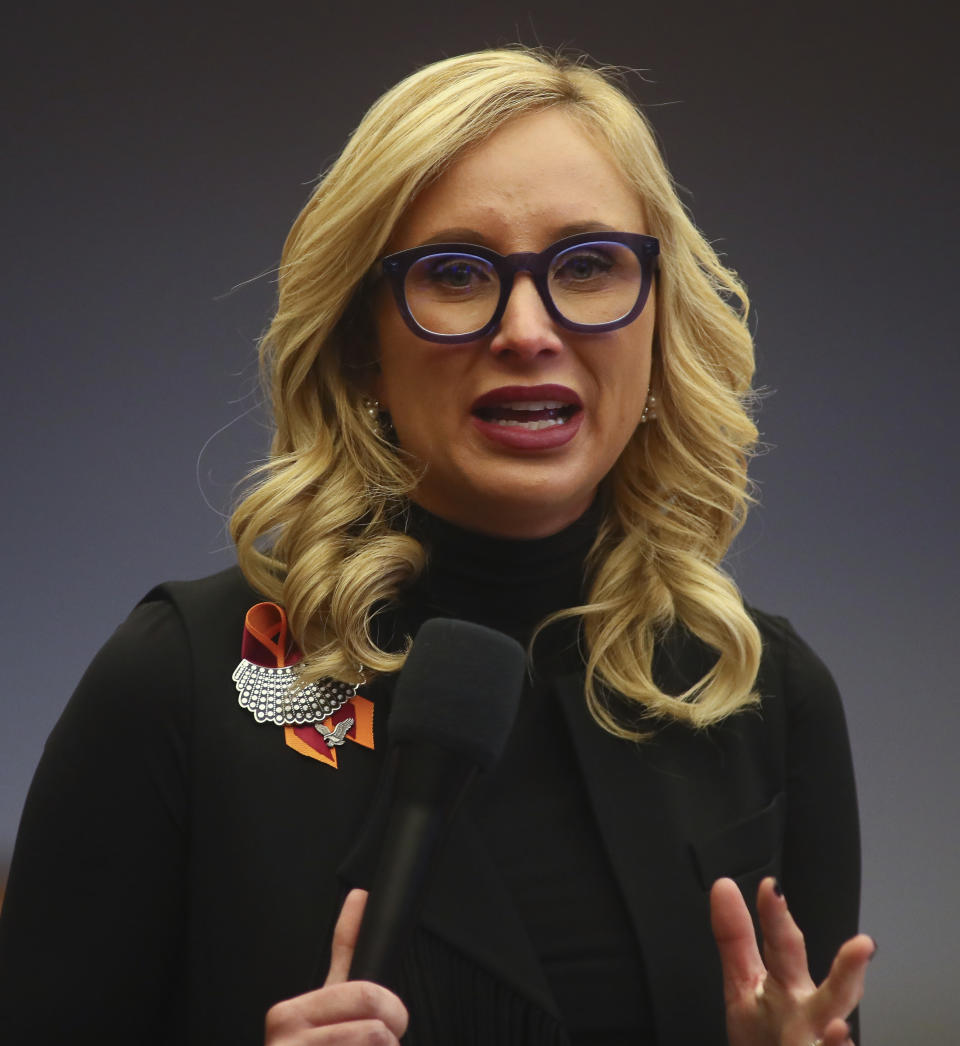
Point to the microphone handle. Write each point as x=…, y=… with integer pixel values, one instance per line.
x=429, y=783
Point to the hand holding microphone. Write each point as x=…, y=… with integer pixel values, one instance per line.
x=342, y=1011
x=453, y=708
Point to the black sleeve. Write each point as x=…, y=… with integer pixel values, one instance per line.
x=821, y=861
x=93, y=921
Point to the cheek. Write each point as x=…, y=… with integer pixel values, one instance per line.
x=411, y=391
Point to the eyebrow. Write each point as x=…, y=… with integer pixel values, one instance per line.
x=455, y=235
x=461, y=234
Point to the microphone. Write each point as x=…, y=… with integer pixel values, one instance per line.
x=453, y=707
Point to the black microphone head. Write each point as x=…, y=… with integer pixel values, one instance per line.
x=459, y=689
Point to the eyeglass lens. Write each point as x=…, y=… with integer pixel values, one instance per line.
x=590, y=283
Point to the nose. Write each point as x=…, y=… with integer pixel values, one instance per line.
x=526, y=329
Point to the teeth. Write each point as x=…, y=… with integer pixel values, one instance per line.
x=532, y=426
x=536, y=405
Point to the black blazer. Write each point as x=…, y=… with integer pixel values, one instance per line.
x=179, y=868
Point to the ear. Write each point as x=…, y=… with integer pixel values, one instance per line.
x=359, y=348
x=374, y=386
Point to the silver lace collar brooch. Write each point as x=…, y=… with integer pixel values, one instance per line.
x=317, y=718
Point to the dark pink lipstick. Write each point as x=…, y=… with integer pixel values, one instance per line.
x=528, y=417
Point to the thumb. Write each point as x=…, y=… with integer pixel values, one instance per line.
x=345, y=937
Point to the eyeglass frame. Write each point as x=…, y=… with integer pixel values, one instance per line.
x=646, y=248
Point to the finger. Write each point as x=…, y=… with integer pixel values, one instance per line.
x=337, y=1006
x=837, y=1033
x=736, y=941
x=356, y=1033
x=345, y=936
x=784, y=950
x=840, y=993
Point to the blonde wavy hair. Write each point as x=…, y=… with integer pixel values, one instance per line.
x=321, y=530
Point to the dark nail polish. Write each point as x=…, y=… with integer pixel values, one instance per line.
x=777, y=888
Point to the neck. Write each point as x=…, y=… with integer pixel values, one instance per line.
x=519, y=521
x=505, y=583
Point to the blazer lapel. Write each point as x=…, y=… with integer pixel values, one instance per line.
x=638, y=793
x=643, y=797
x=466, y=903
x=469, y=907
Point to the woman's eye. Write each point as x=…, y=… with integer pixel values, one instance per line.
x=459, y=273
x=583, y=266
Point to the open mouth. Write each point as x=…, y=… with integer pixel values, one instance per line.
x=531, y=416
x=529, y=419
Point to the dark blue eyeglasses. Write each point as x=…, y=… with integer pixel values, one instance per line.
x=591, y=282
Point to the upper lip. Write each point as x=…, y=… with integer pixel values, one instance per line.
x=527, y=394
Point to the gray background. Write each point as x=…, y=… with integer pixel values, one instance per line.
x=156, y=158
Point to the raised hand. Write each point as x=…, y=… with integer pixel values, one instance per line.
x=772, y=1001
x=342, y=1011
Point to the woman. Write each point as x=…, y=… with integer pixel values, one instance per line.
x=509, y=386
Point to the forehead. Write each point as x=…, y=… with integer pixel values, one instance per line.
x=530, y=182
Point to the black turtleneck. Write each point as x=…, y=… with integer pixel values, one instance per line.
x=507, y=584
x=533, y=810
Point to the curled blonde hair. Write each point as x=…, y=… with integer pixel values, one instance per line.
x=331, y=497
